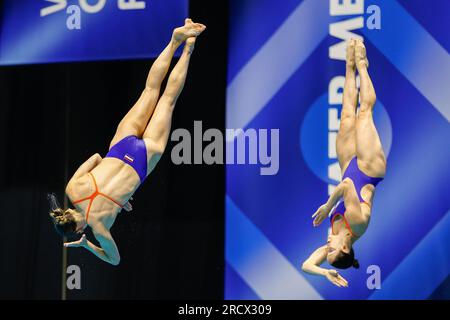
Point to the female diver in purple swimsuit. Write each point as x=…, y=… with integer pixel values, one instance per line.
x=101, y=188
x=363, y=165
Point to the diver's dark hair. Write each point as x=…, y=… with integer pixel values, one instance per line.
x=346, y=260
x=64, y=222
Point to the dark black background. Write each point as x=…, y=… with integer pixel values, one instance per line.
x=52, y=118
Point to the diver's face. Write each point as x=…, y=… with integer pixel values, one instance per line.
x=333, y=243
x=335, y=248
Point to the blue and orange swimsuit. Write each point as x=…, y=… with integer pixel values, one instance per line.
x=360, y=179
x=132, y=151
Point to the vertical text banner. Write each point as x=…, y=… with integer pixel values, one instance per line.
x=286, y=70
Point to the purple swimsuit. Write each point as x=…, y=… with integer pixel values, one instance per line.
x=133, y=152
x=360, y=179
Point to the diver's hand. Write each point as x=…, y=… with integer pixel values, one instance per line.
x=320, y=215
x=335, y=278
x=76, y=244
x=128, y=207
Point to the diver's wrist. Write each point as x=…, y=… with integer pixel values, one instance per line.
x=323, y=272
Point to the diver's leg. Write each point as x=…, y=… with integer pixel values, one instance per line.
x=136, y=120
x=371, y=158
x=157, y=132
x=345, y=141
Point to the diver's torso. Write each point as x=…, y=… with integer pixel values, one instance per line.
x=357, y=220
x=115, y=179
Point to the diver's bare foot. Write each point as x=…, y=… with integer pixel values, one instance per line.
x=350, y=59
x=190, y=44
x=190, y=29
x=360, y=55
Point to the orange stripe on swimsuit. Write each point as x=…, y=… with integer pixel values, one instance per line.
x=95, y=195
x=347, y=225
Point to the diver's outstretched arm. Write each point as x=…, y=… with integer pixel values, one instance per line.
x=312, y=266
x=108, y=251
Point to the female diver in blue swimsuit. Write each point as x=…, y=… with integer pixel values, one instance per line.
x=363, y=165
x=102, y=187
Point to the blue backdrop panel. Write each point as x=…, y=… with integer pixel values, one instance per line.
x=281, y=69
x=108, y=30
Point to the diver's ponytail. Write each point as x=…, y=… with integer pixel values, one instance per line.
x=53, y=202
x=63, y=221
x=355, y=264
